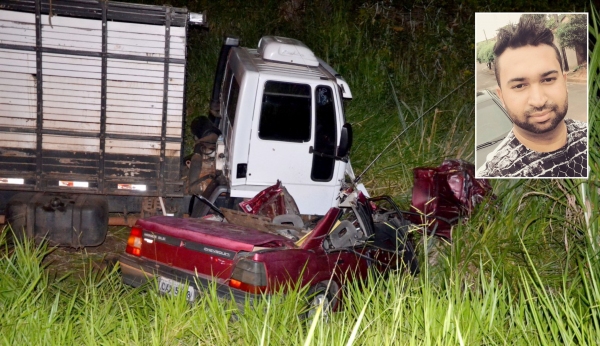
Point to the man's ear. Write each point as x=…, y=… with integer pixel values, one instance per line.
x=499, y=93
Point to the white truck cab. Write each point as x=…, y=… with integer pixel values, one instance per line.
x=281, y=117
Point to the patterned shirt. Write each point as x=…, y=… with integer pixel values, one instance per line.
x=513, y=159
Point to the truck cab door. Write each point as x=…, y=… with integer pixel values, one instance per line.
x=283, y=131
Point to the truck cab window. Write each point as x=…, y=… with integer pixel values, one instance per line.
x=230, y=93
x=225, y=90
x=325, y=134
x=233, y=99
x=286, y=112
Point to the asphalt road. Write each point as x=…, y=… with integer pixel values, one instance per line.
x=577, y=92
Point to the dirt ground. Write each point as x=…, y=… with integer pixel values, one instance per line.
x=578, y=76
x=77, y=262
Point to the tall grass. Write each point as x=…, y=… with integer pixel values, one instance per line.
x=486, y=306
x=522, y=270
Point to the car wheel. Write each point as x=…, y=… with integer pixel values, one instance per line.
x=321, y=294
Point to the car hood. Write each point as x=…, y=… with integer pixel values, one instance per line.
x=219, y=234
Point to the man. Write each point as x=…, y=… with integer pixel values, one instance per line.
x=533, y=89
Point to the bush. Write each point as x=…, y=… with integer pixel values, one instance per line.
x=485, y=52
x=574, y=34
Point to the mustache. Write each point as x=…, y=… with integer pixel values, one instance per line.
x=545, y=107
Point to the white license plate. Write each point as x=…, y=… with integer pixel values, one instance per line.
x=166, y=285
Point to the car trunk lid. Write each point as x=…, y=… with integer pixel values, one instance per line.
x=201, y=246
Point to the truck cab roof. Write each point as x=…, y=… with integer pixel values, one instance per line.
x=287, y=50
x=284, y=58
x=254, y=62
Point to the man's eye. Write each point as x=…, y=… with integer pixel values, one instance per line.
x=518, y=86
x=548, y=80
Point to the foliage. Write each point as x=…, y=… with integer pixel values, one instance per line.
x=553, y=21
x=536, y=17
x=573, y=34
x=489, y=287
x=485, y=52
x=380, y=48
x=594, y=99
x=522, y=270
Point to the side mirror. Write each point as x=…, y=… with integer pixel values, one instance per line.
x=345, y=141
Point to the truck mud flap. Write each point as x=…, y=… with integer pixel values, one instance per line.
x=75, y=220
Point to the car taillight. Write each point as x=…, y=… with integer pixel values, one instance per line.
x=249, y=276
x=134, y=243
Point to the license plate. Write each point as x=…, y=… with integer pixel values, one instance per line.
x=168, y=286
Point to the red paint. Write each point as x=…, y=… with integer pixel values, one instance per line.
x=443, y=194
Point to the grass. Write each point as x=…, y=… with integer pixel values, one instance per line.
x=485, y=305
x=522, y=270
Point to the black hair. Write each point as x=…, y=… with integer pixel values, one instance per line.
x=528, y=32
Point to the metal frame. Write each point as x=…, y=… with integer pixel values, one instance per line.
x=163, y=133
x=104, y=11
x=103, y=87
x=93, y=54
x=40, y=102
x=118, y=12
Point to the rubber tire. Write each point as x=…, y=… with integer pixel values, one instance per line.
x=202, y=127
x=317, y=294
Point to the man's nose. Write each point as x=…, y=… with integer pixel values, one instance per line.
x=537, y=96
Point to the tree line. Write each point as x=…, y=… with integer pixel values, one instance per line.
x=571, y=33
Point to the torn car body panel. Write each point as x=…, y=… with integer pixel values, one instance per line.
x=443, y=194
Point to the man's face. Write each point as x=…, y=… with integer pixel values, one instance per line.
x=532, y=88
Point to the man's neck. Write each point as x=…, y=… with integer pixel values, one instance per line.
x=543, y=142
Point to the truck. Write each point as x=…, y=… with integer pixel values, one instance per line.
x=276, y=114
x=92, y=120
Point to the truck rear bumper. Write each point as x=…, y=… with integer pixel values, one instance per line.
x=137, y=271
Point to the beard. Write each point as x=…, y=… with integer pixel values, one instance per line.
x=524, y=123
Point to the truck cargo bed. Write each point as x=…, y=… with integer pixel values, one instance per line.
x=92, y=98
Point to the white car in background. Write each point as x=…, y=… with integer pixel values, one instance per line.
x=492, y=124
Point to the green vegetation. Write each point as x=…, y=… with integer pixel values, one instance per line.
x=485, y=52
x=374, y=47
x=538, y=18
x=522, y=270
x=574, y=34
x=500, y=283
x=554, y=20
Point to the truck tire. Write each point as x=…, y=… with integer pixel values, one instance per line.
x=202, y=127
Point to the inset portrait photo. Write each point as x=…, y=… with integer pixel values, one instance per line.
x=531, y=112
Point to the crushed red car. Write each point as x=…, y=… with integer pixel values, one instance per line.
x=268, y=245
x=443, y=194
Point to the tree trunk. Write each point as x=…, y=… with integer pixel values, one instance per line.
x=565, y=62
x=581, y=56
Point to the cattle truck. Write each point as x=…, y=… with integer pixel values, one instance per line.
x=92, y=120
